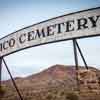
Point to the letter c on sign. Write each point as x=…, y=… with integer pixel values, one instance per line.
x=22, y=38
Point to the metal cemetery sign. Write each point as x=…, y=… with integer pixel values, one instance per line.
x=75, y=25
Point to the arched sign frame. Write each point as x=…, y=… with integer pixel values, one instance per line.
x=77, y=25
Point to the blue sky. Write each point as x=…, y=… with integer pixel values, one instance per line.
x=16, y=14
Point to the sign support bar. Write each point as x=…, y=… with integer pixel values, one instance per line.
x=0, y=71
x=13, y=81
x=75, y=53
x=75, y=47
x=81, y=54
x=76, y=63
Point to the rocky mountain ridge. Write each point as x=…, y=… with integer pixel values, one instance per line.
x=56, y=78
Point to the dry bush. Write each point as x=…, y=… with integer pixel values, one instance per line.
x=71, y=96
x=2, y=90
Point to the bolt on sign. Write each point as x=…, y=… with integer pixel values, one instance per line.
x=74, y=25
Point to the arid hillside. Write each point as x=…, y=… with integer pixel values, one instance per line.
x=58, y=82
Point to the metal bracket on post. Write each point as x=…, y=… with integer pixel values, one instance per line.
x=13, y=81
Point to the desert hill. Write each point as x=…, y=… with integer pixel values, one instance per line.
x=55, y=83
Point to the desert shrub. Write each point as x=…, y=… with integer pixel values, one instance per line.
x=71, y=96
x=2, y=90
x=49, y=97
